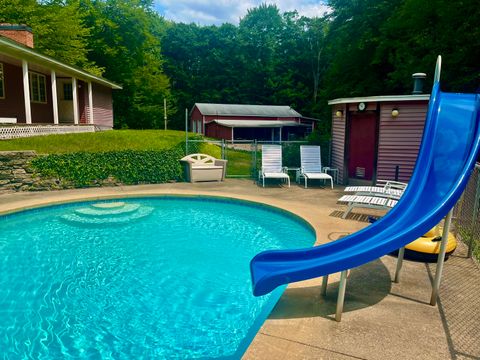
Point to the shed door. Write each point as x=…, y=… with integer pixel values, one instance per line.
x=362, y=142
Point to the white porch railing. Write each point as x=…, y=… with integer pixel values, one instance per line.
x=12, y=132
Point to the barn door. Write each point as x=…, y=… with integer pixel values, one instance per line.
x=362, y=145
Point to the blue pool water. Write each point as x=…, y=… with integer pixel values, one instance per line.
x=143, y=278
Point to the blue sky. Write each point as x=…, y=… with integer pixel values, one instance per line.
x=216, y=12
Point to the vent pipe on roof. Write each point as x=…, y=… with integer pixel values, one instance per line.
x=418, y=81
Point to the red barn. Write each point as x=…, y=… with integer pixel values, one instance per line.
x=377, y=137
x=38, y=90
x=248, y=122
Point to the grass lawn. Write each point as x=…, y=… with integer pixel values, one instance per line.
x=239, y=162
x=96, y=142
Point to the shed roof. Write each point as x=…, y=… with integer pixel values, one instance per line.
x=256, y=123
x=247, y=110
x=382, y=98
x=19, y=51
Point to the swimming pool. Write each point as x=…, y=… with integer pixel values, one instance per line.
x=164, y=277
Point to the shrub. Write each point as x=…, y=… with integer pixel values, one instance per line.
x=127, y=166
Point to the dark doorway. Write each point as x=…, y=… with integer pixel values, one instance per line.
x=362, y=143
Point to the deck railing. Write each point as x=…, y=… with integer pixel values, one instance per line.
x=20, y=131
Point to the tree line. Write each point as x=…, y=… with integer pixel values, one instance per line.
x=360, y=48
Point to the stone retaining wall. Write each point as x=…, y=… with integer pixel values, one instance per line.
x=16, y=173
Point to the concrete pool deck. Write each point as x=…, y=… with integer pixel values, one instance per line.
x=381, y=320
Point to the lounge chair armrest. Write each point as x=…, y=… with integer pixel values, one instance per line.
x=382, y=183
x=285, y=169
x=222, y=163
x=187, y=163
x=219, y=162
x=395, y=185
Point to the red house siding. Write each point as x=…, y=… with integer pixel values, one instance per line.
x=14, y=104
x=338, y=141
x=400, y=138
x=42, y=113
x=102, y=106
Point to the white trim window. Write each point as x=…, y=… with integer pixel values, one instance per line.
x=38, y=88
x=2, y=82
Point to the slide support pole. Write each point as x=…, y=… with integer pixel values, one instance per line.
x=441, y=258
x=341, y=295
x=401, y=254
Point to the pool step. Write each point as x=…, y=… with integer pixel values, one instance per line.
x=108, y=205
x=104, y=214
x=107, y=211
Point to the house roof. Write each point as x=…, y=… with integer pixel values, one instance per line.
x=256, y=123
x=383, y=98
x=247, y=110
x=19, y=51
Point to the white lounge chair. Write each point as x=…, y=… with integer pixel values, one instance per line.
x=383, y=187
x=311, y=165
x=272, y=164
x=368, y=201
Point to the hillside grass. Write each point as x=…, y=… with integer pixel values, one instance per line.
x=115, y=140
x=120, y=140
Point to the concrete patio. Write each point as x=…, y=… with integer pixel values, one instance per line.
x=381, y=320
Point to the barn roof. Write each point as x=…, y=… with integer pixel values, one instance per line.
x=247, y=110
x=256, y=123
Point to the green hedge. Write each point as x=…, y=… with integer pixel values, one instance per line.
x=127, y=167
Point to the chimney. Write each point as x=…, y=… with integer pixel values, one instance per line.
x=418, y=81
x=19, y=33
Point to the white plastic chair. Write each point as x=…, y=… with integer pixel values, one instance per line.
x=311, y=164
x=272, y=164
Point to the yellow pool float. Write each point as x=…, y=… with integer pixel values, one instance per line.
x=427, y=247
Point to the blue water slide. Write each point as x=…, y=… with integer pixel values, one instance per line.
x=450, y=146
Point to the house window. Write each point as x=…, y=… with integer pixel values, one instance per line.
x=38, y=88
x=67, y=91
x=2, y=83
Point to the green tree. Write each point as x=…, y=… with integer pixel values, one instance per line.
x=355, y=34
x=259, y=40
x=421, y=30
x=125, y=40
x=58, y=27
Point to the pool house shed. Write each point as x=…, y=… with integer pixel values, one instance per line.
x=249, y=122
x=377, y=137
